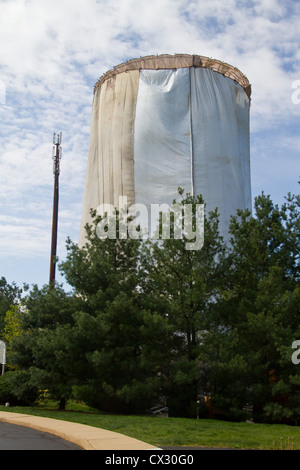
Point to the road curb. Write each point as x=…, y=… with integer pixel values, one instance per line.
x=86, y=437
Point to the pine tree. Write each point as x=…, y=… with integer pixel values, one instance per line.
x=183, y=285
x=258, y=315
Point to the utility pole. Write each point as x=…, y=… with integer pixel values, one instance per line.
x=56, y=161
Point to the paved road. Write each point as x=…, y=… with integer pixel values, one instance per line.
x=14, y=437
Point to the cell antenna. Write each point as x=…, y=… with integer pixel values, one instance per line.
x=56, y=157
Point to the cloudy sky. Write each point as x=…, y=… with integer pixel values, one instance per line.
x=53, y=51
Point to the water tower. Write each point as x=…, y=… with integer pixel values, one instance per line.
x=169, y=121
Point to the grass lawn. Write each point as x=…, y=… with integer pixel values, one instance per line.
x=179, y=431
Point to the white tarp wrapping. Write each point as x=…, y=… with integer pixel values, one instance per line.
x=110, y=160
x=162, y=134
x=220, y=129
x=153, y=131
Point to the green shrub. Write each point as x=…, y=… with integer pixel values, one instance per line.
x=15, y=389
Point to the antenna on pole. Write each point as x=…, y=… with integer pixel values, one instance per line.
x=56, y=156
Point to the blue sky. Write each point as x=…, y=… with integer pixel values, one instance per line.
x=53, y=52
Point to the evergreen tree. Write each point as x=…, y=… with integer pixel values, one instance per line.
x=119, y=342
x=183, y=286
x=40, y=351
x=258, y=315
